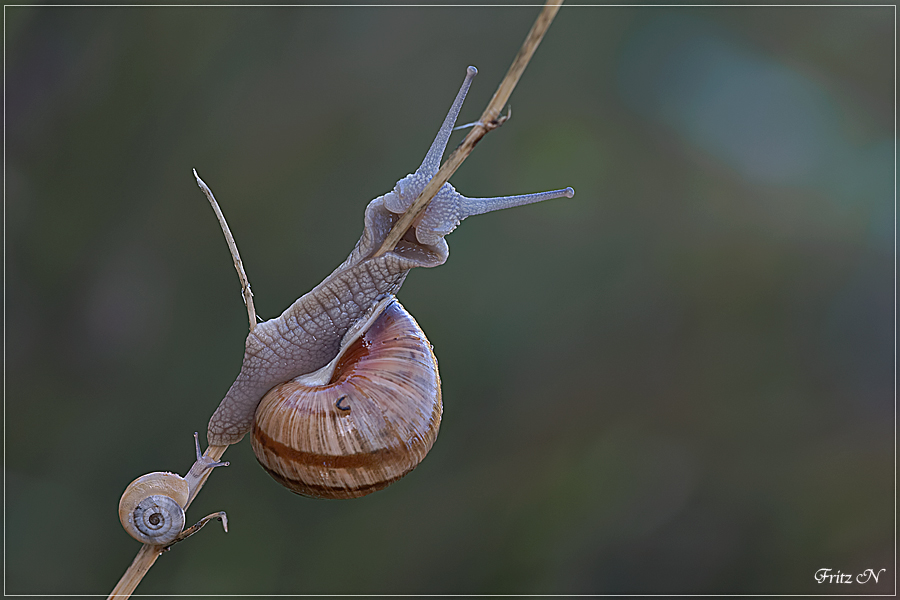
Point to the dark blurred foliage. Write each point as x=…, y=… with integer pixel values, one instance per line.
x=681, y=381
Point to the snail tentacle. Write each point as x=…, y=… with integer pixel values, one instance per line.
x=205, y=461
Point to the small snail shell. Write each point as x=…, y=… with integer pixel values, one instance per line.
x=152, y=508
x=360, y=423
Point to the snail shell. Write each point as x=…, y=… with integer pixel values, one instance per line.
x=360, y=423
x=152, y=508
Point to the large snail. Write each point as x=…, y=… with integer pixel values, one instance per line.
x=342, y=391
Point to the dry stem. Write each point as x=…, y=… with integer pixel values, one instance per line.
x=235, y=256
x=490, y=119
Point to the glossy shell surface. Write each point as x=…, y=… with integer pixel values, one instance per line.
x=369, y=427
x=152, y=508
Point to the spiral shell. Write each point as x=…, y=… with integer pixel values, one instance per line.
x=370, y=424
x=152, y=508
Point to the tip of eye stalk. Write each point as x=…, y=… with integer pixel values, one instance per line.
x=569, y=192
x=471, y=71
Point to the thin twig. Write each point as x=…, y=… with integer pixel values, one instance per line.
x=145, y=558
x=490, y=120
x=235, y=256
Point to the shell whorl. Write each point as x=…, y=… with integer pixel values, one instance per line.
x=159, y=519
x=371, y=424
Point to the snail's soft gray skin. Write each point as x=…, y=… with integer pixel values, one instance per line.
x=308, y=335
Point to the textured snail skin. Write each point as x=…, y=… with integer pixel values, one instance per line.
x=152, y=508
x=369, y=426
x=308, y=334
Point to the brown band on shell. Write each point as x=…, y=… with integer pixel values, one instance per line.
x=328, y=492
x=360, y=460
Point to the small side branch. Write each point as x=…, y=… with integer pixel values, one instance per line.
x=490, y=120
x=236, y=257
x=219, y=516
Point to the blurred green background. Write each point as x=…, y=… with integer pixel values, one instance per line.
x=680, y=381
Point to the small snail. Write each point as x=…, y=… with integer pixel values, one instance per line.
x=152, y=507
x=342, y=391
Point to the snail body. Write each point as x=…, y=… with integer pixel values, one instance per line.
x=309, y=432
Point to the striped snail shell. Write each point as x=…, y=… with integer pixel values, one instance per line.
x=361, y=422
x=152, y=508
